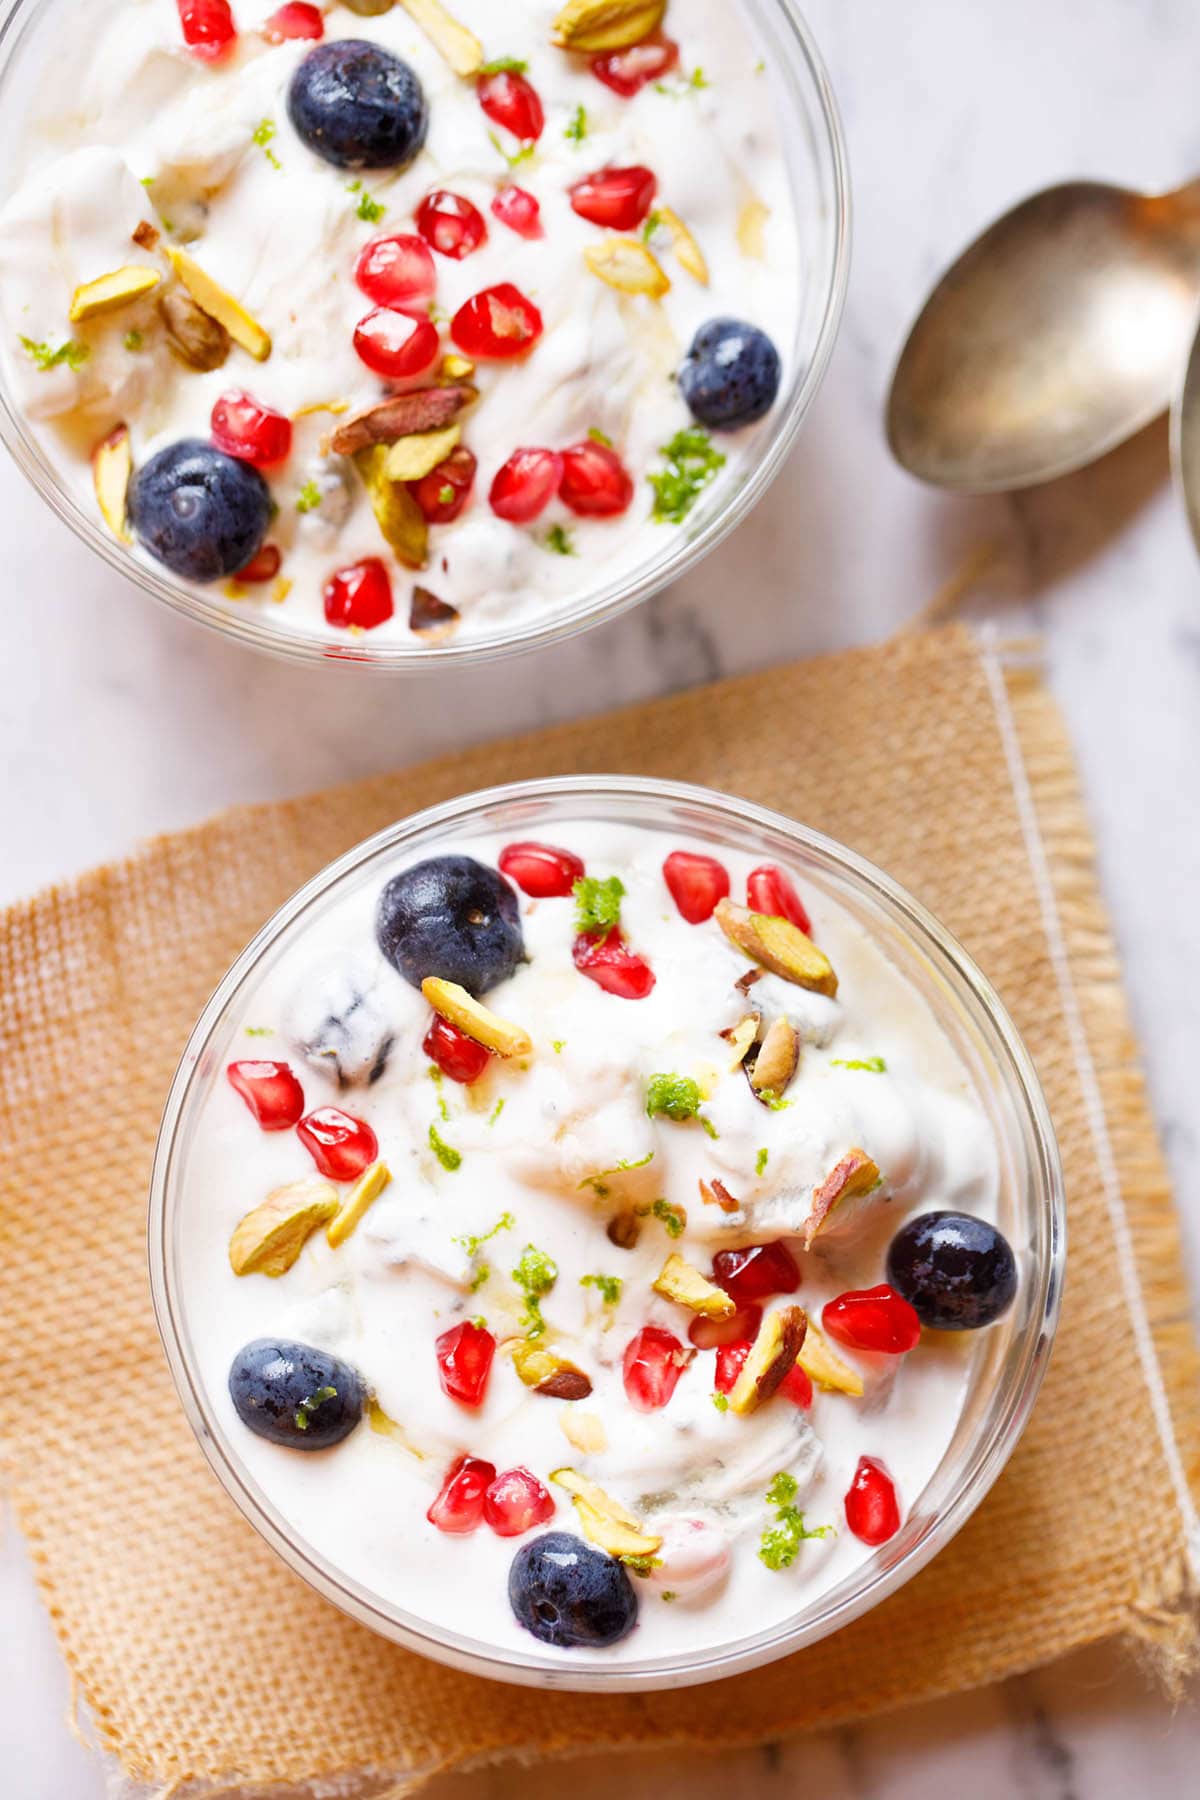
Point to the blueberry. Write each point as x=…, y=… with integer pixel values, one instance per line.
x=338, y=1021
x=957, y=1271
x=452, y=917
x=358, y=106
x=569, y=1594
x=292, y=1394
x=199, y=511
x=730, y=375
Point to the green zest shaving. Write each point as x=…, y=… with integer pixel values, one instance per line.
x=73, y=354
x=672, y=1217
x=775, y=1101
x=607, y=1286
x=496, y=1111
x=133, y=342
x=260, y=1031
x=651, y=226
x=309, y=498
x=503, y=65
x=308, y=1407
x=597, y=1182
x=692, y=464
x=517, y=157
x=760, y=1164
x=873, y=1065
x=577, y=130
x=781, y=1542
x=368, y=210
x=600, y=437
x=721, y=1402
x=535, y=1275
x=264, y=132
x=598, y=903
x=689, y=84
x=677, y=1097
x=558, y=539
x=449, y=1158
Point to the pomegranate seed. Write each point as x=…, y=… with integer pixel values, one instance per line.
x=243, y=427
x=397, y=270
x=464, y=1360
x=797, y=1387
x=872, y=1510
x=519, y=211
x=526, y=485
x=516, y=1502
x=395, y=345
x=360, y=594
x=512, y=103
x=654, y=1361
x=499, y=322
x=756, y=1272
x=445, y=491
x=459, y=1507
x=450, y=224
x=263, y=567
x=540, y=870
x=296, y=20
x=710, y=1334
x=595, y=482
x=626, y=72
x=208, y=28
x=618, y=199
x=271, y=1091
x=770, y=891
x=875, y=1318
x=730, y=1358
x=612, y=965
x=341, y=1146
x=696, y=884
x=455, y=1054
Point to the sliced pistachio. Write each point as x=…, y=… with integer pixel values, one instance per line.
x=110, y=292
x=358, y=1201
x=715, y=1193
x=410, y=458
x=112, y=471
x=822, y=1364
x=220, y=305
x=401, y=415
x=270, y=1238
x=196, y=339
x=742, y=1037
x=399, y=517
x=583, y=1431
x=853, y=1178
x=470, y=1015
x=458, y=46
x=628, y=266
x=678, y=1280
x=456, y=367
x=777, y=1061
x=772, y=1358
x=544, y=1370
x=590, y=25
x=690, y=255
x=604, y=1520
x=779, y=946
x=752, y=228
x=624, y=1230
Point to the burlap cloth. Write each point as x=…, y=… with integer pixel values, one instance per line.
x=203, y=1661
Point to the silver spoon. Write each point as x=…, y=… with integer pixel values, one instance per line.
x=1058, y=334
x=1185, y=440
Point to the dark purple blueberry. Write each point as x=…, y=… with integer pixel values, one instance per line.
x=358, y=106
x=731, y=374
x=202, y=513
x=956, y=1271
x=570, y=1594
x=294, y=1395
x=454, y=918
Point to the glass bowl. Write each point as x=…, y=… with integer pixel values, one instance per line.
x=813, y=142
x=1007, y=1361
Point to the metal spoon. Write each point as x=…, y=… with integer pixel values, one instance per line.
x=1185, y=440
x=1058, y=334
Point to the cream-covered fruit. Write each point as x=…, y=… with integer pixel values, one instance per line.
x=529, y=1302
x=419, y=321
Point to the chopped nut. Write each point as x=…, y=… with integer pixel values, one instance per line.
x=678, y=1280
x=409, y=458
x=776, y=1063
x=589, y=25
x=771, y=1358
x=544, y=1370
x=435, y=619
x=460, y=47
x=269, y=1239
x=745, y=982
x=779, y=946
x=742, y=1037
x=585, y=1431
x=145, y=235
x=688, y=251
x=362, y=1195
x=715, y=1193
x=752, y=228
x=628, y=266
x=855, y=1176
x=112, y=471
x=624, y=1230
x=822, y=1364
x=400, y=518
x=470, y=1015
x=567, y=1384
x=212, y=298
x=195, y=338
x=110, y=292
x=402, y=415
x=604, y=1520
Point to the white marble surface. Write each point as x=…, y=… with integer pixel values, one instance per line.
x=117, y=720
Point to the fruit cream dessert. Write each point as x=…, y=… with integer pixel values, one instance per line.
x=397, y=320
x=577, y=1242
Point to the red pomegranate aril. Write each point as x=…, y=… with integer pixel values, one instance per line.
x=397, y=270
x=296, y=20
x=243, y=427
x=618, y=199
x=627, y=72
x=341, y=1146
x=360, y=594
x=458, y=1509
x=515, y=1502
x=654, y=1361
x=607, y=960
x=517, y=209
x=770, y=891
x=741, y=1327
x=696, y=883
x=445, y=491
x=730, y=1358
x=271, y=1091
x=497, y=323
x=395, y=345
x=875, y=1318
x=512, y=103
x=464, y=1360
x=540, y=870
x=756, y=1272
x=872, y=1510
x=595, y=482
x=455, y=1054
x=451, y=225
x=796, y=1387
x=263, y=567
x=208, y=28
x=525, y=486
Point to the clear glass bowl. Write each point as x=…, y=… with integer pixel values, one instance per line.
x=1008, y=1361
x=813, y=141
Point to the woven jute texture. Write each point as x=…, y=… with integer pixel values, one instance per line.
x=204, y=1663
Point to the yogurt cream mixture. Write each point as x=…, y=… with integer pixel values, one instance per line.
x=558, y=1234
x=395, y=320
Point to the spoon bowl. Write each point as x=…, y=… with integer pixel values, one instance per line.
x=1057, y=335
x=1185, y=439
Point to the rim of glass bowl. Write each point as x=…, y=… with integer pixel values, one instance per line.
x=689, y=546
x=1038, y=1187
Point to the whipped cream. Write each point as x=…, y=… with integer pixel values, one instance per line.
x=541, y=1139
x=128, y=126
